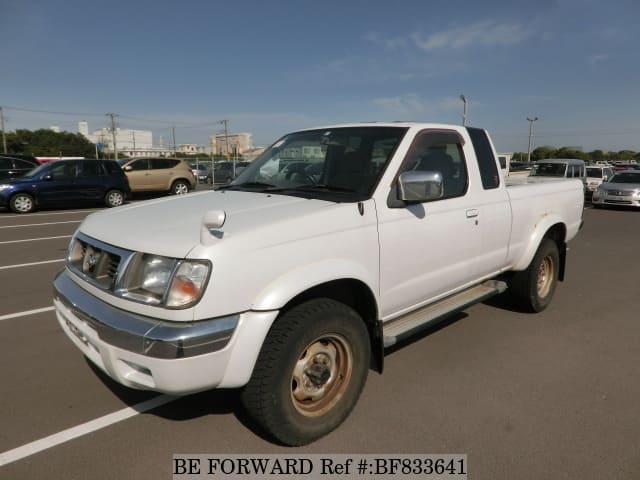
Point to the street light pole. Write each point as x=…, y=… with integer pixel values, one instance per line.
x=464, y=111
x=530, y=120
x=4, y=139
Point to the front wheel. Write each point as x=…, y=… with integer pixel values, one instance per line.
x=533, y=288
x=114, y=198
x=310, y=372
x=180, y=187
x=22, y=203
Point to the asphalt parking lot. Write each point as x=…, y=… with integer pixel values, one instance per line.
x=552, y=395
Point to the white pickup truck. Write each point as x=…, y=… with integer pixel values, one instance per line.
x=291, y=281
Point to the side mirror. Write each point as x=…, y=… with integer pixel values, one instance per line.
x=47, y=177
x=419, y=187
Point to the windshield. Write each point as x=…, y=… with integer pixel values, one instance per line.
x=340, y=164
x=626, y=177
x=594, y=172
x=548, y=170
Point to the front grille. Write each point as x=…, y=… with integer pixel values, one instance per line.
x=96, y=262
x=618, y=202
x=621, y=193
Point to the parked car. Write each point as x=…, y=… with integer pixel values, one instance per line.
x=622, y=189
x=12, y=167
x=223, y=172
x=161, y=174
x=292, y=289
x=67, y=182
x=200, y=171
x=561, y=167
x=595, y=176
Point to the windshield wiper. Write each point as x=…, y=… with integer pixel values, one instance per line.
x=256, y=185
x=325, y=187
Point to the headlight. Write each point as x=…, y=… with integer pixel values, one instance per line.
x=163, y=281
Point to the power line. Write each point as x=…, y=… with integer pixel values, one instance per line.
x=17, y=109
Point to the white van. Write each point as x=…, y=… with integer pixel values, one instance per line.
x=561, y=167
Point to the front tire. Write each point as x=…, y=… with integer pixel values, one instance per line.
x=310, y=372
x=114, y=198
x=533, y=288
x=180, y=187
x=22, y=203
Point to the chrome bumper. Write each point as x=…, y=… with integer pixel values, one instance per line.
x=139, y=334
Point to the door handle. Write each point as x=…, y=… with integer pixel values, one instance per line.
x=473, y=212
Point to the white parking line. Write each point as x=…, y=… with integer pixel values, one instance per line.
x=88, y=427
x=25, y=313
x=30, y=264
x=22, y=215
x=39, y=224
x=35, y=239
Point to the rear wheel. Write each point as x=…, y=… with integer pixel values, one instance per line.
x=310, y=372
x=114, y=198
x=22, y=203
x=180, y=187
x=533, y=288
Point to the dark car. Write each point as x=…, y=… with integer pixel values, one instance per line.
x=223, y=172
x=13, y=167
x=67, y=182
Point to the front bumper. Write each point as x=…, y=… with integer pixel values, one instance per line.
x=616, y=200
x=147, y=353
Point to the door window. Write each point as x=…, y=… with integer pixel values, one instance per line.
x=142, y=164
x=63, y=171
x=440, y=151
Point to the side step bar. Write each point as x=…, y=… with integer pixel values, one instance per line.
x=405, y=326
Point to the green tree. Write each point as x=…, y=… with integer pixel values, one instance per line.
x=541, y=153
x=46, y=143
x=625, y=155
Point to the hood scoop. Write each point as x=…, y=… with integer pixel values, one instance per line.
x=212, y=222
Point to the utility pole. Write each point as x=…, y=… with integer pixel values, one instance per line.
x=530, y=120
x=4, y=139
x=173, y=132
x=113, y=134
x=464, y=111
x=226, y=136
x=133, y=134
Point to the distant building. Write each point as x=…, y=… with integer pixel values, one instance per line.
x=55, y=128
x=191, y=149
x=134, y=143
x=222, y=144
x=83, y=129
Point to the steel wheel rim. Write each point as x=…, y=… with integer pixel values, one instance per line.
x=181, y=189
x=546, y=274
x=115, y=199
x=22, y=203
x=321, y=375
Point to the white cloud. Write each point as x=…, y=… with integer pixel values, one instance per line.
x=389, y=43
x=598, y=57
x=485, y=34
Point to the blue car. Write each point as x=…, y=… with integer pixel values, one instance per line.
x=70, y=182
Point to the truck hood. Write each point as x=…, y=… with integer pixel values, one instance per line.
x=173, y=226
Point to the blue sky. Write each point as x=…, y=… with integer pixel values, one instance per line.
x=275, y=66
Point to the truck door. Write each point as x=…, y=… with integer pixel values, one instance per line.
x=428, y=249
